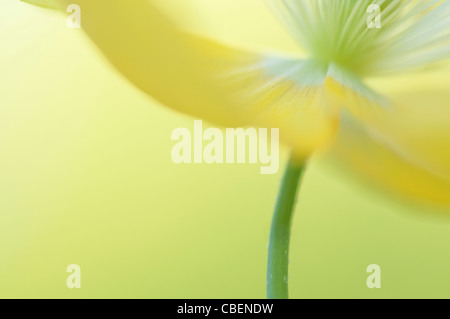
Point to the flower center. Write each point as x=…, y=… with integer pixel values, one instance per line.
x=345, y=32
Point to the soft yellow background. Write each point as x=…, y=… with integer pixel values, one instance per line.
x=86, y=178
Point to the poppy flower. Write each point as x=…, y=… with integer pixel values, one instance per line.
x=370, y=94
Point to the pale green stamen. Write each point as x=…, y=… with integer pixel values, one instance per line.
x=412, y=33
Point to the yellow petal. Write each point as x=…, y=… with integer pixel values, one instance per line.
x=232, y=21
x=404, y=147
x=205, y=79
x=51, y=4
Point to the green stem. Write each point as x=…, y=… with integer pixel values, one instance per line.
x=278, y=260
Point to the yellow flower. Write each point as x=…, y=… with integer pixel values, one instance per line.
x=396, y=135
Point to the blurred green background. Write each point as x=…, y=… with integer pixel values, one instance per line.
x=86, y=178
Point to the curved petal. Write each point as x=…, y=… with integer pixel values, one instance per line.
x=50, y=4
x=404, y=148
x=232, y=21
x=197, y=76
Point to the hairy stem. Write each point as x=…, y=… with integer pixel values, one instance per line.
x=278, y=259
